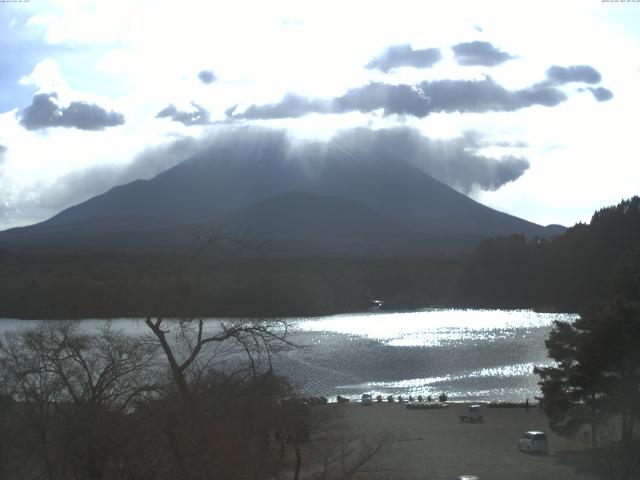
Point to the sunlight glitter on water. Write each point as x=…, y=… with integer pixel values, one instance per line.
x=432, y=327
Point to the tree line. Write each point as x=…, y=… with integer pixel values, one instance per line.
x=560, y=273
x=594, y=381
x=172, y=286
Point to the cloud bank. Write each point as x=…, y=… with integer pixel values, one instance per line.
x=404, y=56
x=291, y=106
x=435, y=96
x=455, y=162
x=479, y=53
x=416, y=100
x=46, y=111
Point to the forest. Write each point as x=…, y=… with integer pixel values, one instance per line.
x=114, y=286
x=561, y=273
x=556, y=274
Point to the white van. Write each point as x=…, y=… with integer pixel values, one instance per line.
x=534, y=442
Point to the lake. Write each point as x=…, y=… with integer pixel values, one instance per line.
x=469, y=354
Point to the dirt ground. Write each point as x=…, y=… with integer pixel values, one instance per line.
x=435, y=444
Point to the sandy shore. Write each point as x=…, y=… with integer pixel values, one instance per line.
x=435, y=444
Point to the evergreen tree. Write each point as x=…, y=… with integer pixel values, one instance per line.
x=563, y=272
x=597, y=371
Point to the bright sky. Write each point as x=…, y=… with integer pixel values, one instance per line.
x=82, y=85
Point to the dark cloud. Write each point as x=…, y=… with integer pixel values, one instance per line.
x=291, y=106
x=419, y=100
x=479, y=53
x=581, y=74
x=601, y=94
x=405, y=56
x=455, y=162
x=393, y=99
x=575, y=73
x=207, y=77
x=45, y=111
x=3, y=150
x=198, y=117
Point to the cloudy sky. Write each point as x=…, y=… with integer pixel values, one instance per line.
x=529, y=107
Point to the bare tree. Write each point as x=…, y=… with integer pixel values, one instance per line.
x=251, y=342
x=109, y=369
x=73, y=391
x=221, y=371
x=36, y=389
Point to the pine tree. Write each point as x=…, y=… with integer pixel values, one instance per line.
x=597, y=370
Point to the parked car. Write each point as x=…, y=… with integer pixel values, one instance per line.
x=534, y=442
x=475, y=415
x=366, y=400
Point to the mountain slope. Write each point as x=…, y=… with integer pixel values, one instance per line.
x=303, y=215
x=296, y=221
x=229, y=177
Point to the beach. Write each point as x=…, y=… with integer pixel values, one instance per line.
x=436, y=444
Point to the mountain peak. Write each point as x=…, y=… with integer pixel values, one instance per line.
x=264, y=187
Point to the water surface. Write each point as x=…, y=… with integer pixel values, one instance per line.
x=469, y=354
